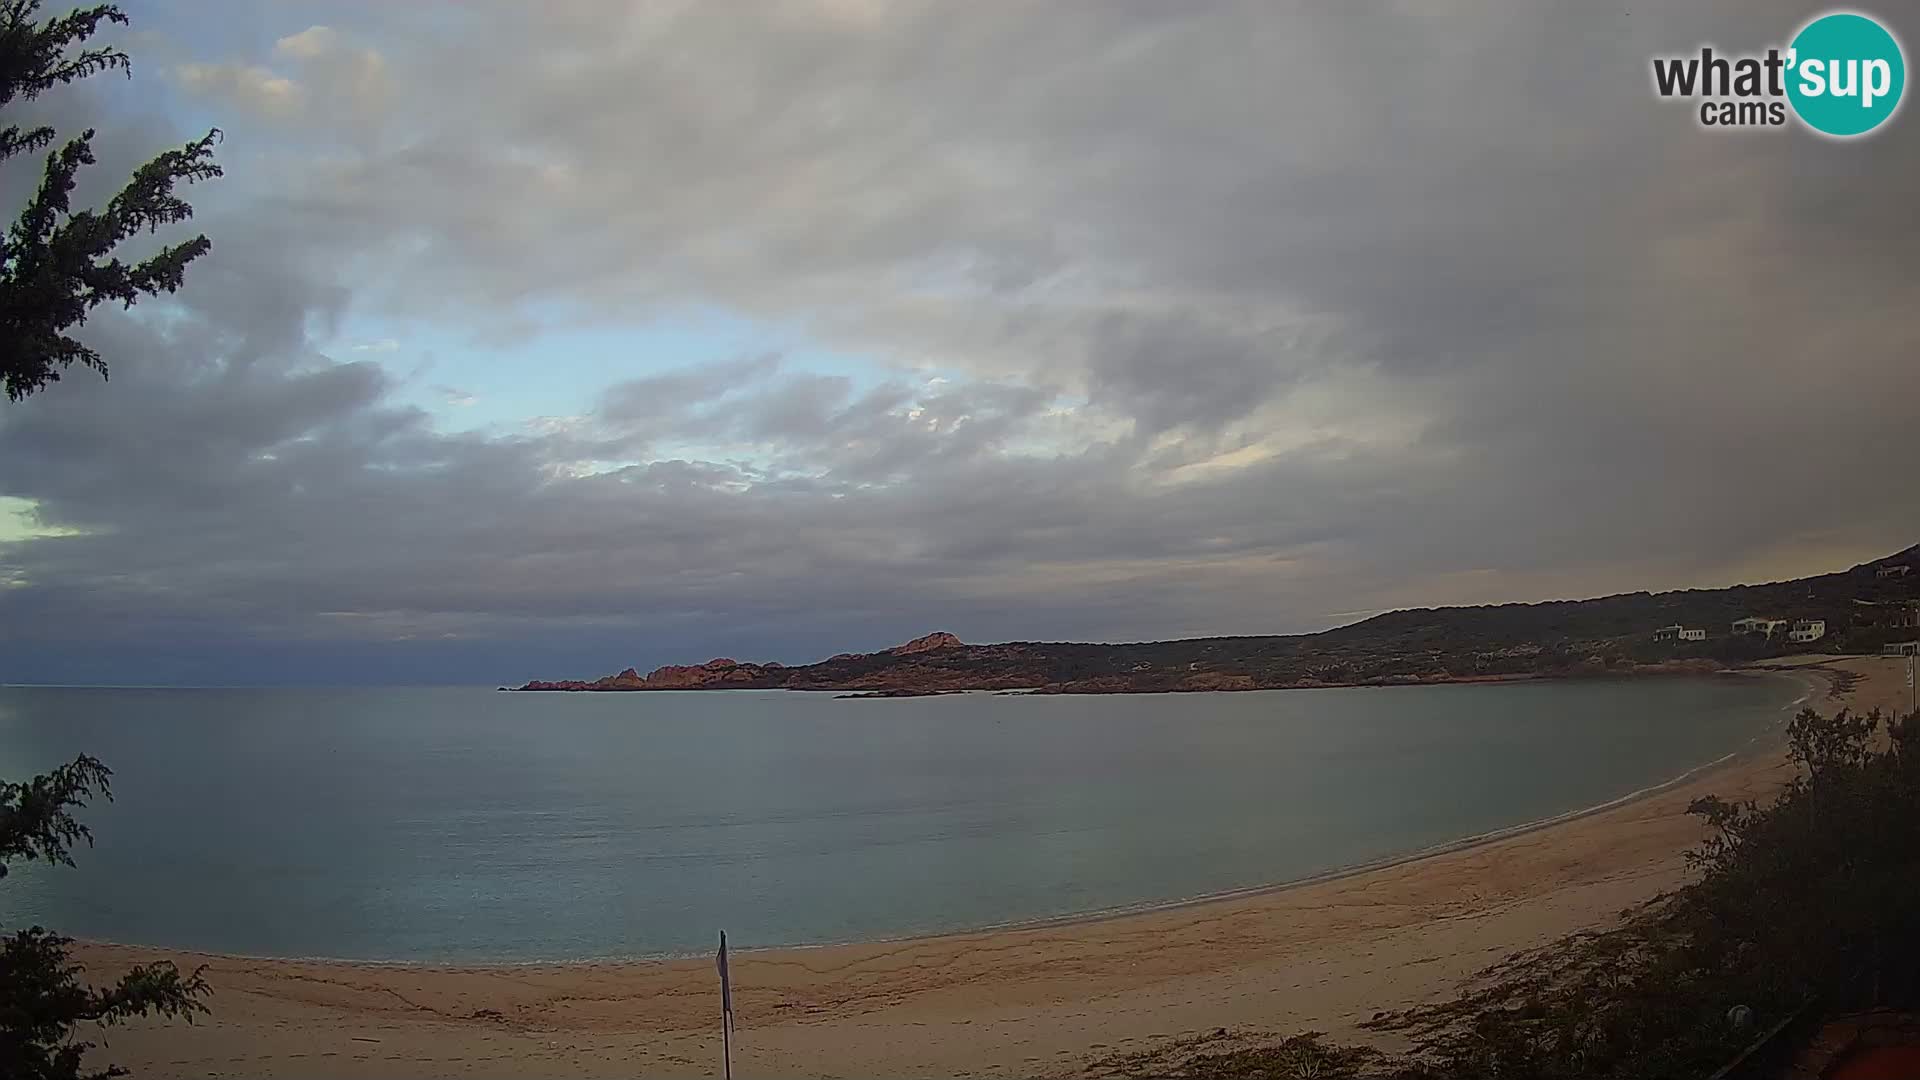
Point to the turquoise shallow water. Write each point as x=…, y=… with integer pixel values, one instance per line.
x=465, y=825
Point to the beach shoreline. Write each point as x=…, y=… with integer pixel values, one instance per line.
x=1765, y=742
x=1323, y=952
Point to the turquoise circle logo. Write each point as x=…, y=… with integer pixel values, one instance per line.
x=1847, y=75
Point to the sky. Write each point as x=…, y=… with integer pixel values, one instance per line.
x=541, y=340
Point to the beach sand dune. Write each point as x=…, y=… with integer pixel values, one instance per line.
x=1325, y=956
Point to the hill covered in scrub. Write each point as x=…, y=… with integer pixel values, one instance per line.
x=1862, y=608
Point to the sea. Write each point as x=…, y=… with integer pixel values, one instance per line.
x=455, y=825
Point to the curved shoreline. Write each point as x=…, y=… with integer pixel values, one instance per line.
x=1078, y=918
x=1339, y=873
x=1036, y=1000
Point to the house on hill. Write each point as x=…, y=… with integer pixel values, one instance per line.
x=1900, y=570
x=1677, y=632
x=1753, y=624
x=1893, y=615
x=1805, y=630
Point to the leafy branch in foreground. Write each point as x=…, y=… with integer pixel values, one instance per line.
x=34, y=823
x=56, y=263
x=42, y=1000
x=42, y=997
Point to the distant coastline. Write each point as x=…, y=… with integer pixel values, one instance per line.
x=1691, y=632
x=630, y=682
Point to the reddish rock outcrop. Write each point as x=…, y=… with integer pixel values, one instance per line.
x=937, y=640
x=718, y=671
x=715, y=672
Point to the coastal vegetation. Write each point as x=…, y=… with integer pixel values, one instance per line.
x=1803, y=909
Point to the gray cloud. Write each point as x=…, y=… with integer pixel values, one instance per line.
x=1248, y=317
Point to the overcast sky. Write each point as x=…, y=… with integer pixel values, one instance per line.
x=545, y=339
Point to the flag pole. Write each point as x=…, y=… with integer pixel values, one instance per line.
x=726, y=1011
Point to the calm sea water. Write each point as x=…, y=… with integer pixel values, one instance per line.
x=466, y=825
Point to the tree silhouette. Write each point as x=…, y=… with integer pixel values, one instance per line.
x=42, y=1000
x=57, y=263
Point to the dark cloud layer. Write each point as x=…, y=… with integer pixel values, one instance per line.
x=1247, y=319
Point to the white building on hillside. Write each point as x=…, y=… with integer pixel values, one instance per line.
x=1893, y=571
x=1805, y=630
x=1753, y=624
x=1693, y=635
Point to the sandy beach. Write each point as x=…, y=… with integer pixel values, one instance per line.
x=1043, y=1000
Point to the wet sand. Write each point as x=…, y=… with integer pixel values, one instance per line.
x=1323, y=955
